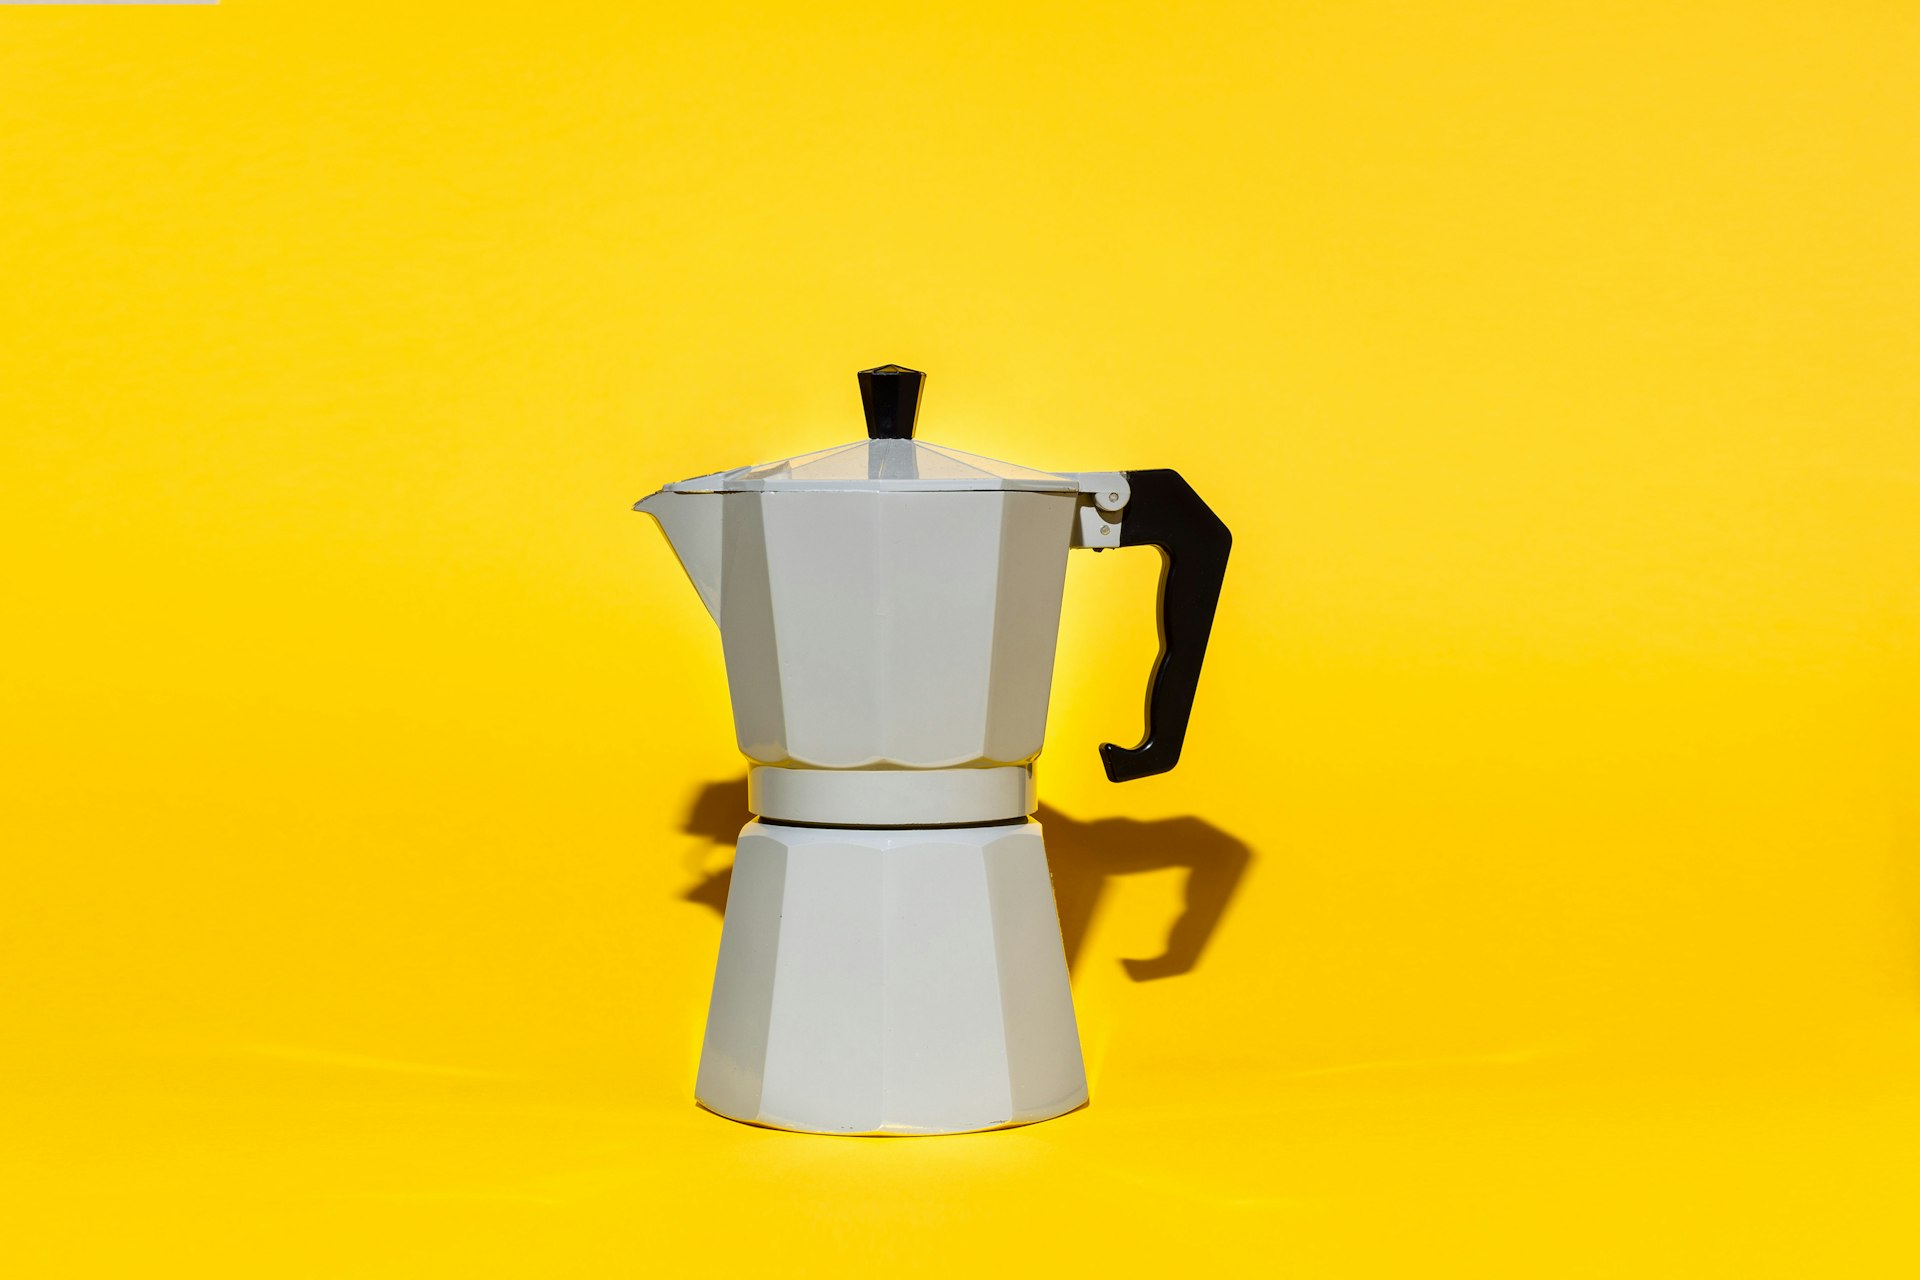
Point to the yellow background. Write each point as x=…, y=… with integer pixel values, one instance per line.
x=367, y=765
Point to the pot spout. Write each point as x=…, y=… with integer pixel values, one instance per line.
x=691, y=522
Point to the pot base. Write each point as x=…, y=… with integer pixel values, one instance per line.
x=891, y=982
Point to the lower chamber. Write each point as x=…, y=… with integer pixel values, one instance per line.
x=891, y=982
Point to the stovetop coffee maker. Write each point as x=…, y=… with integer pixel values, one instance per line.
x=891, y=958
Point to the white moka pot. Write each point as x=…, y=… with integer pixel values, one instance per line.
x=891, y=961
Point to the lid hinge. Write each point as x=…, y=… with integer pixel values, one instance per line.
x=1103, y=499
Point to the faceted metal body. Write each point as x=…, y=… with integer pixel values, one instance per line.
x=891, y=960
x=887, y=629
x=904, y=981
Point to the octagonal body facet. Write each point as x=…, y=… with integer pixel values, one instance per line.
x=891, y=982
x=890, y=629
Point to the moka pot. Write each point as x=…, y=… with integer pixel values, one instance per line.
x=891, y=961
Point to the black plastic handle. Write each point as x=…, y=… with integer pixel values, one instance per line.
x=1165, y=512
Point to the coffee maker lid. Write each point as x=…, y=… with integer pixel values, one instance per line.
x=879, y=464
x=889, y=459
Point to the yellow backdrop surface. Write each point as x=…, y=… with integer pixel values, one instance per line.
x=1537, y=895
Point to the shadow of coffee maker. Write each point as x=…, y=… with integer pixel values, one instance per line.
x=1084, y=856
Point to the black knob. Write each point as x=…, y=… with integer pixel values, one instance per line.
x=891, y=396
